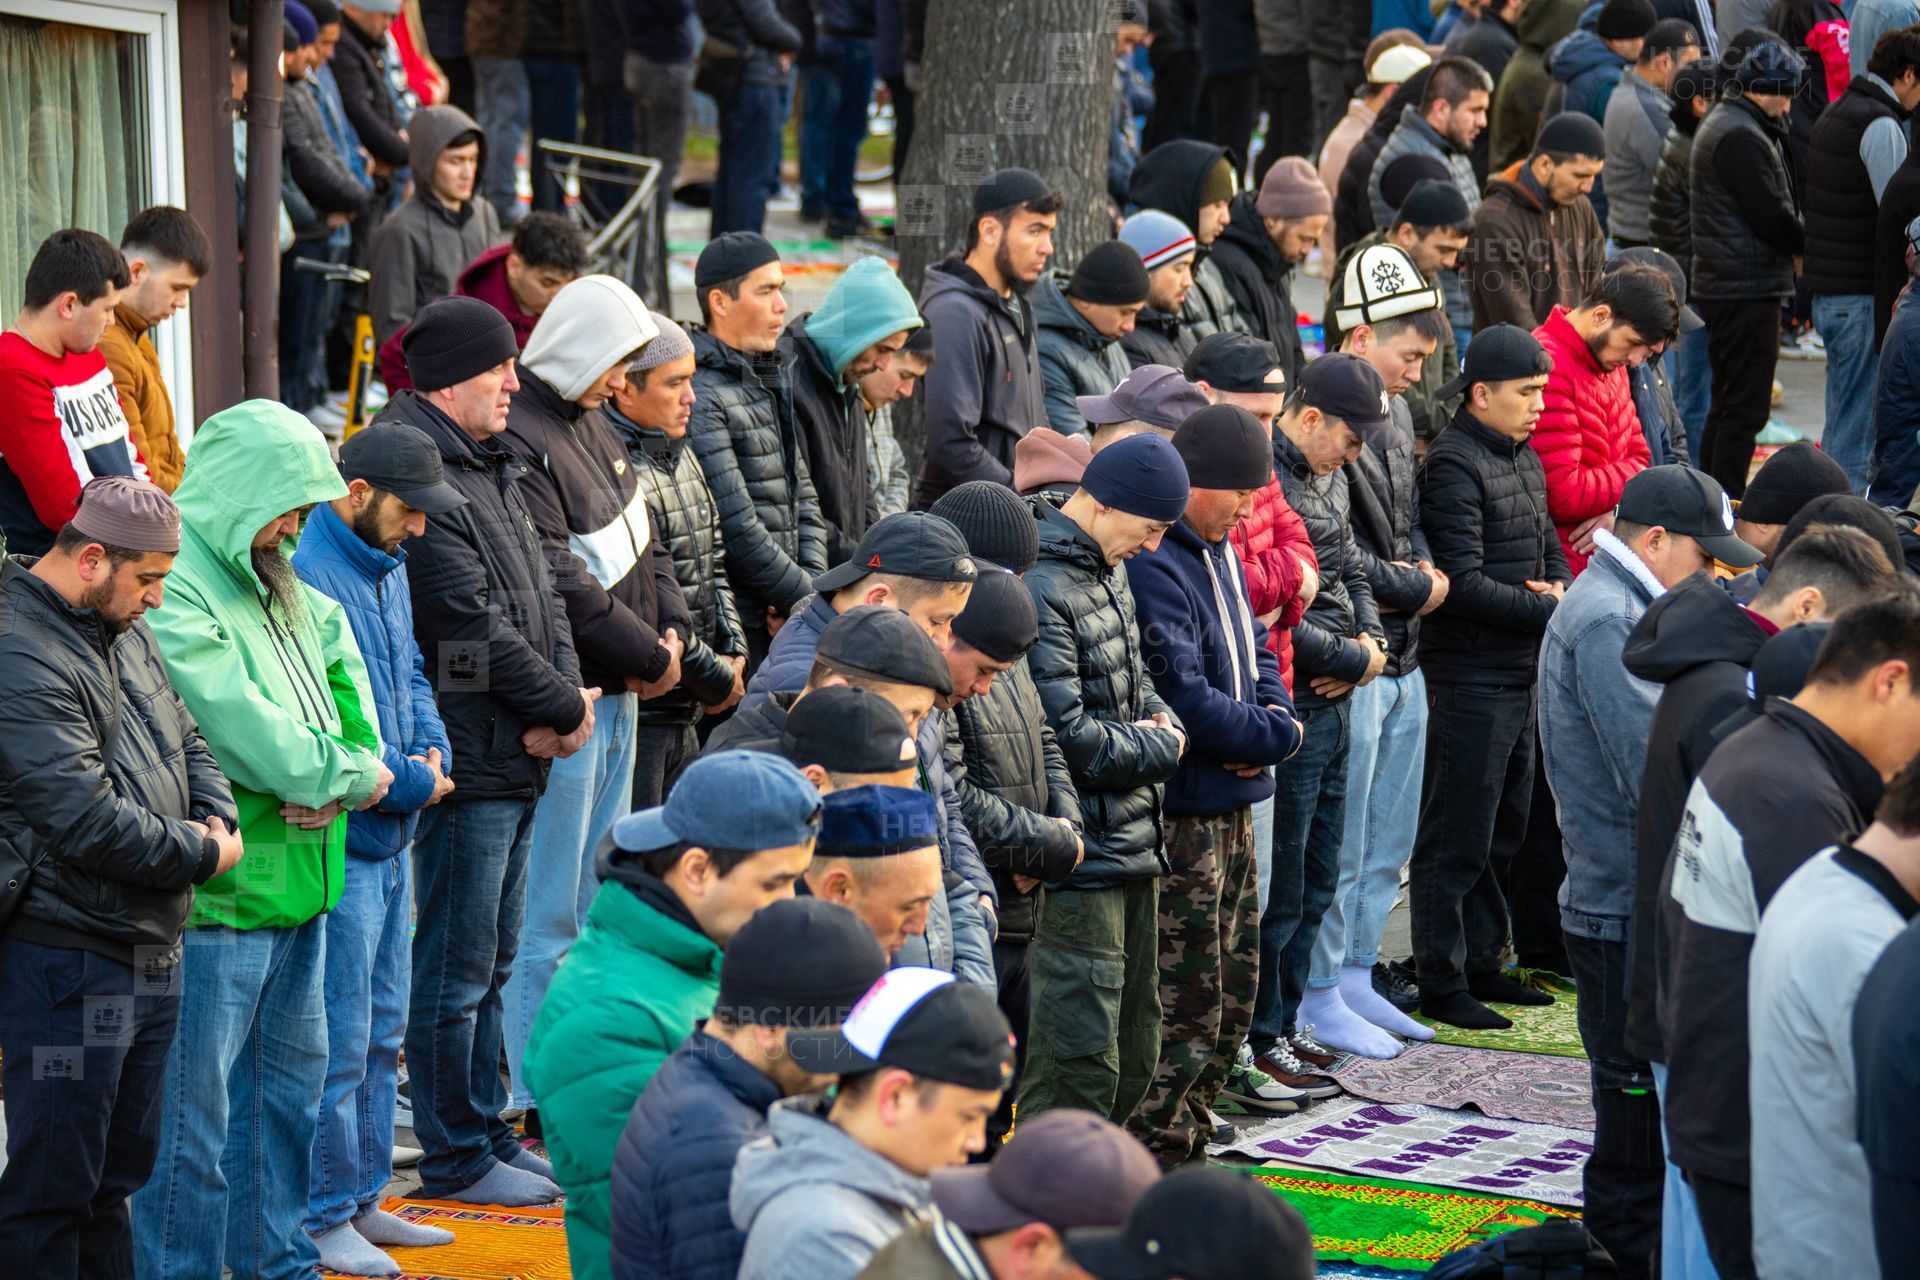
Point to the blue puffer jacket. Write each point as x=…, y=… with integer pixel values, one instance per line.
x=372, y=588
x=671, y=1174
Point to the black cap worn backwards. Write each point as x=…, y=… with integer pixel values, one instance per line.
x=1682, y=500
x=920, y=1021
x=1234, y=361
x=910, y=544
x=847, y=730
x=1008, y=189
x=761, y=986
x=400, y=459
x=884, y=644
x=1348, y=388
x=1500, y=353
x=1199, y=1223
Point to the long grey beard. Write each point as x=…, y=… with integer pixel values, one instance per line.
x=276, y=574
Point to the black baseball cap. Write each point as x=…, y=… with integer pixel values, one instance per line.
x=1682, y=500
x=1499, y=353
x=1348, y=388
x=847, y=730
x=1200, y=1222
x=761, y=986
x=884, y=644
x=1065, y=1168
x=920, y=1021
x=912, y=544
x=1235, y=362
x=399, y=458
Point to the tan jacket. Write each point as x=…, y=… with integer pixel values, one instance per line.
x=143, y=397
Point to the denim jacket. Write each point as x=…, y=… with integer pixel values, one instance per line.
x=1594, y=721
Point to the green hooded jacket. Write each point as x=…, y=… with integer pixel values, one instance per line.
x=284, y=703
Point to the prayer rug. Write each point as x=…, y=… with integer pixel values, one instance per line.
x=488, y=1243
x=1506, y=1086
x=1551, y=1029
x=1446, y=1148
x=1402, y=1226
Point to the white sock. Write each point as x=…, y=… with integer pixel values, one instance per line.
x=1356, y=989
x=508, y=1187
x=382, y=1227
x=345, y=1250
x=1338, y=1027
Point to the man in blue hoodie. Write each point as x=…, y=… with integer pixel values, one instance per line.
x=1208, y=657
x=351, y=553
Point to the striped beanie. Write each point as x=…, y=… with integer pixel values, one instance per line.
x=1159, y=238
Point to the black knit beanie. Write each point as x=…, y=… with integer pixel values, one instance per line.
x=999, y=619
x=729, y=256
x=1571, y=134
x=1225, y=447
x=1788, y=481
x=1399, y=178
x=996, y=522
x=1625, y=19
x=455, y=338
x=1110, y=274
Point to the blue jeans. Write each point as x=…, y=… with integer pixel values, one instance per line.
x=1691, y=371
x=749, y=151
x=1309, y=810
x=553, y=87
x=470, y=891
x=586, y=793
x=239, y=1107
x=1683, y=1249
x=369, y=967
x=503, y=108
x=1387, y=728
x=1845, y=322
x=833, y=123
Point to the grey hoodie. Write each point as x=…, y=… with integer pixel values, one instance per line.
x=814, y=1202
x=420, y=250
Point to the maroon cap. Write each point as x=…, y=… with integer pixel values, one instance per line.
x=1064, y=1168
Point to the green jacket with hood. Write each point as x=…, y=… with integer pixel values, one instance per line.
x=284, y=703
x=418, y=253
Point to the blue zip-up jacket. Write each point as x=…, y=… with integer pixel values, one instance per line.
x=1191, y=656
x=1594, y=721
x=371, y=586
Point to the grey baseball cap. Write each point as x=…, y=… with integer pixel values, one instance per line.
x=1153, y=393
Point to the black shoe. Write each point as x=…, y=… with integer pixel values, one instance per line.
x=1400, y=992
x=1499, y=988
x=530, y=1126
x=858, y=229
x=1459, y=1009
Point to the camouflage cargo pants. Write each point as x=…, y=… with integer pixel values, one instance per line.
x=1209, y=970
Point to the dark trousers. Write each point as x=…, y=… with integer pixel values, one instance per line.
x=1010, y=967
x=1286, y=95
x=1726, y=1220
x=83, y=1053
x=661, y=752
x=1475, y=793
x=1233, y=108
x=303, y=327
x=833, y=124
x=1177, y=80
x=1743, y=344
x=553, y=87
x=1625, y=1177
x=1309, y=819
x=902, y=98
x=749, y=154
x=1532, y=881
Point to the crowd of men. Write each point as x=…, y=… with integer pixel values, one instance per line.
x=619, y=745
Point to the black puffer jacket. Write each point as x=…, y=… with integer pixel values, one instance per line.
x=1157, y=338
x=1745, y=227
x=833, y=433
x=1483, y=504
x=681, y=513
x=743, y=432
x=1092, y=679
x=1386, y=527
x=1261, y=284
x=1323, y=642
x=487, y=616
x=318, y=169
x=116, y=862
x=1670, y=211
x=1013, y=780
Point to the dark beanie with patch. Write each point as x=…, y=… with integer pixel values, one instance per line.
x=1110, y=274
x=1225, y=447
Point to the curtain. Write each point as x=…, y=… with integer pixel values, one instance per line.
x=64, y=140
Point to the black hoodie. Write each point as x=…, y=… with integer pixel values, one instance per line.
x=1261, y=283
x=1698, y=643
x=1169, y=178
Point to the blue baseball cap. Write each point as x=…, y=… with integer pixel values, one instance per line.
x=729, y=800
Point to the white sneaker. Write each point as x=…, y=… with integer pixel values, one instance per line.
x=1255, y=1090
x=406, y=1157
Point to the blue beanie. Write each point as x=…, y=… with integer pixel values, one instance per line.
x=300, y=18
x=1142, y=475
x=866, y=304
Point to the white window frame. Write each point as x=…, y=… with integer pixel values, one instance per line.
x=158, y=21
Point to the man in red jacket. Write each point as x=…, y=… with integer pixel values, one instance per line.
x=1589, y=438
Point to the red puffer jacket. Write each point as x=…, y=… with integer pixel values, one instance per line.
x=1272, y=542
x=1589, y=438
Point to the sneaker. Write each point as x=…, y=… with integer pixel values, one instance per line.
x=1255, y=1090
x=1311, y=1051
x=1221, y=1130
x=406, y=1157
x=1395, y=989
x=1280, y=1063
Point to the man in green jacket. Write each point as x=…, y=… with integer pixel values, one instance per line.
x=677, y=882
x=270, y=670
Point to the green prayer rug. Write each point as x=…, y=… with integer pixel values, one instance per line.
x=1402, y=1226
x=1552, y=1029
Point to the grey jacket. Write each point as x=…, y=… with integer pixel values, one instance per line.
x=1594, y=722
x=420, y=250
x=1636, y=125
x=1210, y=309
x=814, y=1202
x=1413, y=136
x=1075, y=360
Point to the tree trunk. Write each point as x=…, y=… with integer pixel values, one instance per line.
x=1027, y=85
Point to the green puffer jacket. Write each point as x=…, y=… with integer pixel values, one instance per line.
x=640, y=978
x=284, y=704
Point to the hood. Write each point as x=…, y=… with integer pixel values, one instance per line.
x=1246, y=229
x=801, y=1147
x=1051, y=310
x=866, y=304
x=431, y=130
x=953, y=275
x=1168, y=178
x=1044, y=456
x=591, y=325
x=1508, y=180
x=251, y=464
x=1544, y=23
x=485, y=278
x=1695, y=623
x=1580, y=52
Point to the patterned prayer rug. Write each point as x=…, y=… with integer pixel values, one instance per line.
x=1506, y=1086
x=488, y=1243
x=1446, y=1148
x=1550, y=1029
x=1401, y=1226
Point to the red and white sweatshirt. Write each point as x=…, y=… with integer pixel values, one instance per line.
x=60, y=426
